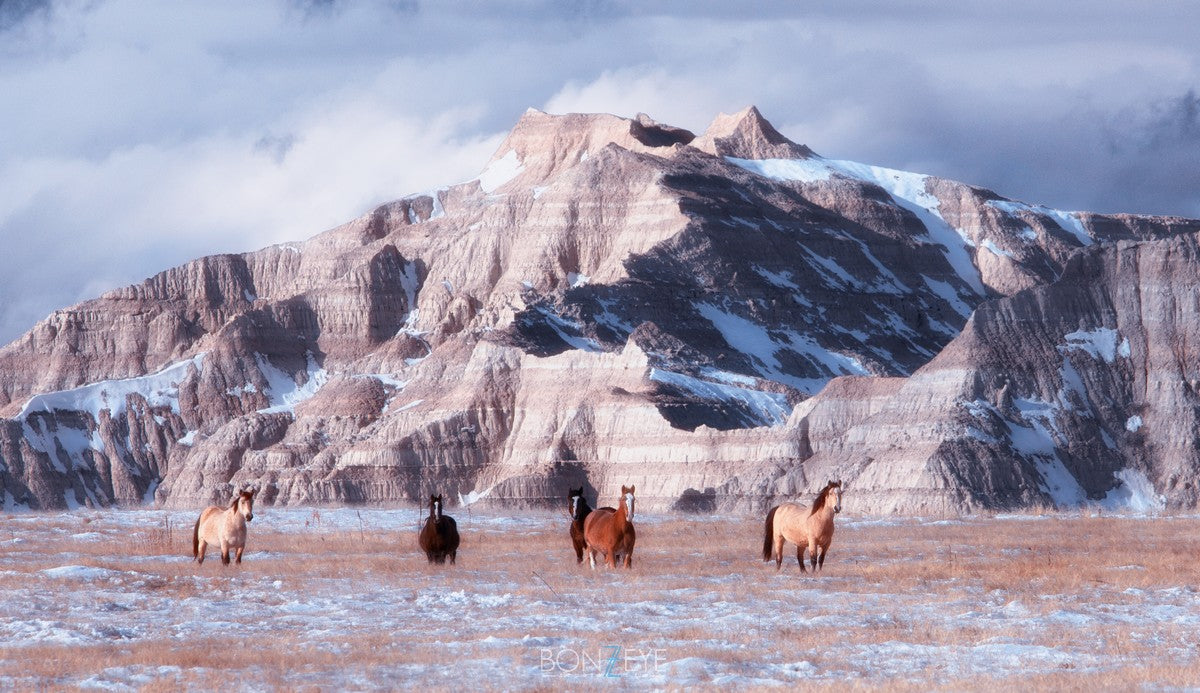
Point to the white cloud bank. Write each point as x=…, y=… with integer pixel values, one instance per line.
x=140, y=135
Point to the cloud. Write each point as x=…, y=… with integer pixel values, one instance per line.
x=14, y=13
x=275, y=146
x=675, y=99
x=142, y=135
x=106, y=223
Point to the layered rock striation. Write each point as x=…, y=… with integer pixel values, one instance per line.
x=718, y=318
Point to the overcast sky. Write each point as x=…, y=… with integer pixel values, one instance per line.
x=136, y=135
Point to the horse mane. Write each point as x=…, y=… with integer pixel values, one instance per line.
x=822, y=497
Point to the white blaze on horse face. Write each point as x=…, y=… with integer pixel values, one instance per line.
x=574, y=506
x=629, y=504
x=437, y=510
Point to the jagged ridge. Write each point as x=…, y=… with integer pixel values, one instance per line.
x=612, y=300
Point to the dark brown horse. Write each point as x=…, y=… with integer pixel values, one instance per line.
x=439, y=536
x=578, y=509
x=610, y=532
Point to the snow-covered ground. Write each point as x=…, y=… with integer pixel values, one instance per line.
x=342, y=599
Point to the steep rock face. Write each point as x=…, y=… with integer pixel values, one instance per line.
x=1082, y=391
x=611, y=301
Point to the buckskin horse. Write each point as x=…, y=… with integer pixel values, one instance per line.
x=225, y=527
x=807, y=529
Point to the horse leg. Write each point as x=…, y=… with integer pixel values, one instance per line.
x=238, y=553
x=224, y=552
x=591, y=557
x=201, y=550
x=610, y=558
x=821, y=560
x=453, y=556
x=800, y=557
x=777, y=551
x=812, y=555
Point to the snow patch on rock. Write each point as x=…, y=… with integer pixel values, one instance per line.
x=160, y=389
x=1067, y=221
x=768, y=408
x=1135, y=493
x=908, y=190
x=500, y=171
x=1100, y=343
x=282, y=389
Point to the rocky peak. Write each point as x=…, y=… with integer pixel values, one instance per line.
x=655, y=134
x=615, y=301
x=748, y=135
x=543, y=144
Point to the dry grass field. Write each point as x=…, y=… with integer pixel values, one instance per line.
x=342, y=599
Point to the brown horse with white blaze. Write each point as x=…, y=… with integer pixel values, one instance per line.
x=810, y=529
x=610, y=532
x=224, y=527
x=439, y=535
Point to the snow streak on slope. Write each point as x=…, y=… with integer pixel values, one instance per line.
x=1135, y=494
x=1100, y=343
x=768, y=408
x=160, y=389
x=756, y=342
x=908, y=190
x=283, y=390
x=1068, y=221
x=500, y=171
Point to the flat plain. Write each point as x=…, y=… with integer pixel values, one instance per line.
x=341, y=598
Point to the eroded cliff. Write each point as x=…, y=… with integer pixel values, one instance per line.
x=717, y=318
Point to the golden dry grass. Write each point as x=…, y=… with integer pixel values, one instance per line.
x=1068, y=603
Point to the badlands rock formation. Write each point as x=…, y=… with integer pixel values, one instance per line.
x=723, y=320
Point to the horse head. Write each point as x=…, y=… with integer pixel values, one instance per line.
x=836, y=488
x=435, y=507
x=244, y=504
x=627, y=500
x=573, y=502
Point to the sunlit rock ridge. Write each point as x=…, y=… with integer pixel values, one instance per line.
x=725, y=320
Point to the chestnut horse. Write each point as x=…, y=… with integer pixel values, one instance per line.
x=439, y=536
x=610, y=532
x=225, y=527
x=578, y=509
x=807, y=529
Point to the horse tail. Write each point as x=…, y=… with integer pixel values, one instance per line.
x=196, y=537
x=768, y=535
